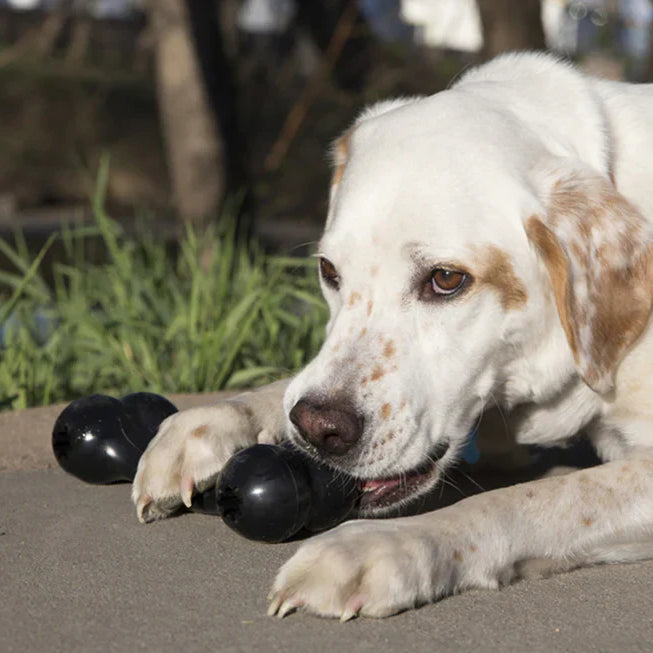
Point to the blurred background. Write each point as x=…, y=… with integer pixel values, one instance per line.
x=200, y=125
x=198, y=100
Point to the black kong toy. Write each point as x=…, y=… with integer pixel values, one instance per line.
x=100, y=439
x=265, y=492
x=270, y=493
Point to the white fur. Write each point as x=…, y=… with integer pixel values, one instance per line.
x=429, y=181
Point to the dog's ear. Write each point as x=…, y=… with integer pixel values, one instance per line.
x=598, y=251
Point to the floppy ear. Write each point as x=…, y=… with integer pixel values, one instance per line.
x=598, y=251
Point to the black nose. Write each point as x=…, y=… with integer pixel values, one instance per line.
x=331, y=428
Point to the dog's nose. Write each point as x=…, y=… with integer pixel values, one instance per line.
x=330, y=428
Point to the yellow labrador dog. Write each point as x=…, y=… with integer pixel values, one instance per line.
x=493, y=241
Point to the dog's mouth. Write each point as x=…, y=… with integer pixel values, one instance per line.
x=379, y=494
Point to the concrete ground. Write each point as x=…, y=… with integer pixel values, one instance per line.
x=79, y=573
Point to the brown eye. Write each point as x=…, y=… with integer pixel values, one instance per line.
x=329, y=273
x=446, y=282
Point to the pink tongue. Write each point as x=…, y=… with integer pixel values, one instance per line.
x=381, y=484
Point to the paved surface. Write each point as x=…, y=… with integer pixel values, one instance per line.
x=79, y=573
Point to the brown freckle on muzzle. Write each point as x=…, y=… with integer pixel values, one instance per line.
x=369, y=307
x=587, y=521
x=377, y=373
x=458, y=556
x=364, y=381
x=385, y=411
x=389, y=349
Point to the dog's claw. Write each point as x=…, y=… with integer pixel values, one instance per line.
x=275, y=601
x=141, y=507
x=286, y=608
x=352, y=608
x=280, y=606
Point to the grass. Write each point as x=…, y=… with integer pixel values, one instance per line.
x=213, y=314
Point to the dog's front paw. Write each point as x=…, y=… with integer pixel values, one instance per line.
x=371, y=568
x=188, y=453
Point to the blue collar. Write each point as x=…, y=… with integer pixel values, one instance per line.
x=471, y=453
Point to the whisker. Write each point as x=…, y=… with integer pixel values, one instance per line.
x=299, y=245
x=469, y=478
x=501, y=412
x=450, y=483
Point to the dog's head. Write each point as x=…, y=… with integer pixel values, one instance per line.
x=463, y=262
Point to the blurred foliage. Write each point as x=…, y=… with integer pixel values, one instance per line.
x=209, y=315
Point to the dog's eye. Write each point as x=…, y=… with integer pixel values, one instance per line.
x=446, y=282
x=329, y=273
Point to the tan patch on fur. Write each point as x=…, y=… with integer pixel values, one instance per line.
x=530, y=494
x=587, y=521
x=498, y=273
x=377, y=373
x=364, y=381
x=457, y=555
x=369, y=307
x=200, y=431
x=556, y=262
x=472, y=548
x=389, y=349
x=385, y=411
x=598, y=251
x=340, y=156
x=337, y=175
x=354, y=298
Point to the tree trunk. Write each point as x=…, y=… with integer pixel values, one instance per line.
x=80, y=39
x=320, y=18
x=220, y=86
x=649, y=69
x=194, y=147
x=511, y=25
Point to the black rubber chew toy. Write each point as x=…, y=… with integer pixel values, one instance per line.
x=265, y=492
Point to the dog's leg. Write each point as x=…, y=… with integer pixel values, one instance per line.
x=378, y=568
x=545, y=567
x=191, y=447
